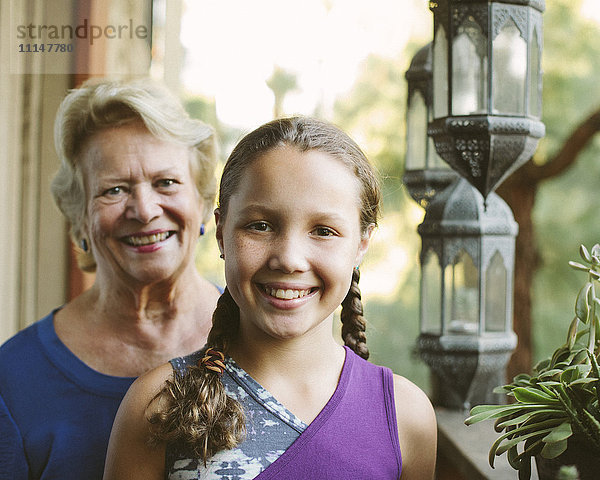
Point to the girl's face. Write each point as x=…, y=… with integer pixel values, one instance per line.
x=291, y=238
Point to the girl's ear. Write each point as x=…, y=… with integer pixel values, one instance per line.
x=219, y=234
x=363, y=245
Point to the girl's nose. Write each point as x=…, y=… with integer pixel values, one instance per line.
x=289, y=254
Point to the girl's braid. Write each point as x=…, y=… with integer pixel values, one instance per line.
x=198, y=418
x=353, y=322
x=226, y=321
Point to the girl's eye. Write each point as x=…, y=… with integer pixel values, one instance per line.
x=324, y=232
x=259, y=226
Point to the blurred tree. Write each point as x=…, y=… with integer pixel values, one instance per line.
x=570, y=90
x=281, y=83
x=520, y=192
x=206, y=110
x=374, y=113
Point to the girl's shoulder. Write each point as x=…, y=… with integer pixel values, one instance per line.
x=407, y=391
x=138, y=457
x=417, y=429
x=147, y=385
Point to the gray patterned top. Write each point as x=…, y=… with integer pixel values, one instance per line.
x=270, y=430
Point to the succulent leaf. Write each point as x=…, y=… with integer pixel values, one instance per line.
x=560, y=433
x=582, y=305
x=554, y=449
x=562, y=396
x=579, y=266
x=585, y=254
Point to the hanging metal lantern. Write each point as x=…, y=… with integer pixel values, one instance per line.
x=425, y=172
x=486, y=86
x=467, y=267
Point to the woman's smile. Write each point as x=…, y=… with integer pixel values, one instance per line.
x=142, y=239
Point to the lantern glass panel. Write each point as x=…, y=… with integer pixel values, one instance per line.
x=469, y=70
x=509, y=64
x=431, y=294
x=416, y=128
x=461, y=295
x=495, y=295
x=535, y=107
x=434, y=161
x=440, y=73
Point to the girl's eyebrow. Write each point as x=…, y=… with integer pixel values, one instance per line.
x=254, y=208
x=321, y=214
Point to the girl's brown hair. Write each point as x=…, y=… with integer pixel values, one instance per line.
x=198, y=418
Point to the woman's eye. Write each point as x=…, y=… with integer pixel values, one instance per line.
x=166, y=182
x=259, y=226
x=114, y=191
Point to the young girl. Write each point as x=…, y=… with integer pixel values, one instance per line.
x=273, y=395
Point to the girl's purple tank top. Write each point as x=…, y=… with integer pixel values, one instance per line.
x=354, y=437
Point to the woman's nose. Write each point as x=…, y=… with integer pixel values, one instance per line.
x=289, y=254
x=143, y=205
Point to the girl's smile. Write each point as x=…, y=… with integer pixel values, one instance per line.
x=287, y=297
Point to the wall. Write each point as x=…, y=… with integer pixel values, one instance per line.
x=38, y=273
x=32, y=248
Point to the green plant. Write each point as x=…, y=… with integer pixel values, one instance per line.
x=559, y=402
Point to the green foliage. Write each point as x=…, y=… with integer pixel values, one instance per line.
x=560, y=398
x=281, y=82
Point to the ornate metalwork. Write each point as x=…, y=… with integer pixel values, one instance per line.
x=423, y=185
x=466, y=369
x=502, y=13
x=477, y=11
x=418, y=75
x=486, y=149
x=487, y=146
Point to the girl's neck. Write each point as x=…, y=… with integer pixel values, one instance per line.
x=296, y=359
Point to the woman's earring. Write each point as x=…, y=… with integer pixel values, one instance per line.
x=201, y=229
x=84, y=245
x=222, y=256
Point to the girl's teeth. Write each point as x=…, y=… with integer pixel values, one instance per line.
x=286, y=294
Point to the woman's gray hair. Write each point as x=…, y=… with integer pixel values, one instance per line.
x=97, y=105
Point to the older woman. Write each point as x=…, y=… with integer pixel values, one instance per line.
x=136, y=183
